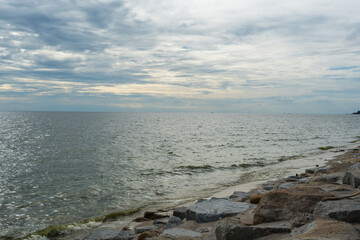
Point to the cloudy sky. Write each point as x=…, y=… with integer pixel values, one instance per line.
x=180, y=55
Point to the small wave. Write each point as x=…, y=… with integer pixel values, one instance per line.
x=191, y=167
x=56, y=230
x=293, y=157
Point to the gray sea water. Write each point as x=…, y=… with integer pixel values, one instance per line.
x=59, y=168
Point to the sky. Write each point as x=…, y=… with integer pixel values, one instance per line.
x=244, y=56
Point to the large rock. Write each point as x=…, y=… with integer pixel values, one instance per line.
x=325, y=230
x=181, y=232
x=352, y=176
x=347, y=210
x=232, y=229
x=215, y=209
x=279, y=205
x=239, y=196
x=110, y=235
x=180, y=212
x=173, y=222
x=328, y=178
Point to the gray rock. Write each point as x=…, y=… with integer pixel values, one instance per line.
x=328, y=178
x=139, y=230
x=292, y=178
x=215, y=209
x=181, y=232
x=180, y=212
x=110, y=235
x=173, y=222
x=228, y=229
x=287, y=185
x=325, y=230
x=239, y=196
x=347, y=210
x=161, y=222
x=315, y=170
x=352, y=176
x=305, y=180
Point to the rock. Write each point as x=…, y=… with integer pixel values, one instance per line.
x=347, y=210
x=284, y=204
x=328, y=178
x=316, y=170
x=239, y=196
x=181, y=232
x=154, y=215
x=292, y=178
x=231, y=229
x=144, y=229
x=180, y=212
x=352, y=176
x=215, y=209
x=110, y=235
x=325, y=230
x=304, y=180
x=147, y=235
x=161, y=222
x=173, y=222
x=287, y=185
x=301, y=219
x=256, y=198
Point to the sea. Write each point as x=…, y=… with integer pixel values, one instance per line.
x=60, y=168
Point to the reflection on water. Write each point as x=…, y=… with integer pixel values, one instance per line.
x=58, y=168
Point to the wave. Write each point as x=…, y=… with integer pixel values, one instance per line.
x=52, y=231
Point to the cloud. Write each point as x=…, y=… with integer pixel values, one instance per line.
x=191, y=51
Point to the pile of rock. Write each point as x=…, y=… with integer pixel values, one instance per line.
x=321, y=203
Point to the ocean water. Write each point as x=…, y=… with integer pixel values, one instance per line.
x=59, y=168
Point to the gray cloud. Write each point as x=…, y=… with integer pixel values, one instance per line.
x=154, y=53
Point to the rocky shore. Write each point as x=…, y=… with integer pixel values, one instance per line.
x=321, y=203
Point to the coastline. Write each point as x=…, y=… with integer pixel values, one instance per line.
x=288, y=168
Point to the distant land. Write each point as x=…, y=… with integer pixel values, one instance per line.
x=358, y=112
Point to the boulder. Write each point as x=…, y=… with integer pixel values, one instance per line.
x=232, y=229
x=215, y=209
x=328, y=178
x=110, y=235
x=239, y=196
x=287, y=185
x=316, y=170
x=279, y=205
x=181, y=232
x=152, y=215
x=180, y=212
x=352, y=176
x=292, y=178
x=144, y=229
x=325, y=230
x=173, y=222
x=347, y=210
x=161, y=222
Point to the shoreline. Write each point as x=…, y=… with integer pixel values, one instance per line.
x=287, y=168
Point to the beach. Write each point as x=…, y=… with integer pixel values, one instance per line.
x=331, y=167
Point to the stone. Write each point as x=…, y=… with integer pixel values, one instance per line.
x=147, y=235
x=239, y=196
x=328, y=178
x=279, y=205
x=161, y=222
x=292, y=178
x=110, y=235
x=287, y=185
x=181, y=232
x=352, y=176
x=139, y=230
x=180, y=212
x=347, y=210
x=316, y=170
x=231, y=229
x=301, y=219
x=215, y=209
x=173, y=222
x=154, y=215
x=256, y=198
x=325, y=230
